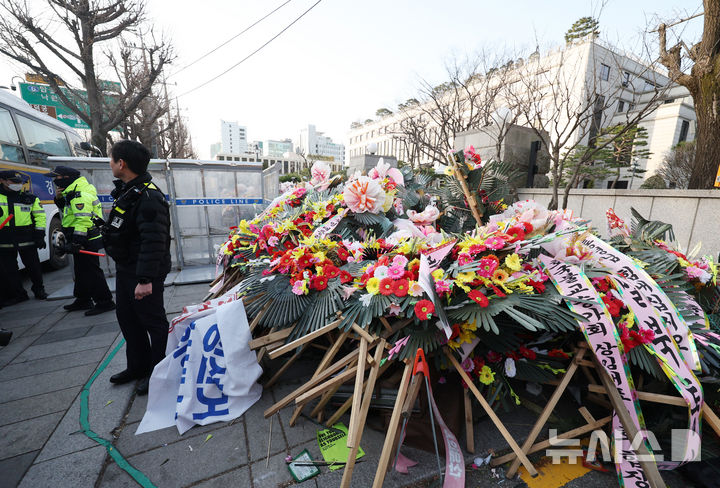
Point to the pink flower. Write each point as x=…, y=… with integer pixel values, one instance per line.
x=487, y=267
x=396, y=272
x=383, y=170
x=442, y=286
x=415, y=290
x=320, y=174
x=300, y=192
x=398, y=206
x=464, y=258
x=398, y=347
x=273, y=241
x=400, y=260
x=468, y=365
x=477, y=249
x=495, y=242
x=426, y=217
x=364, y=195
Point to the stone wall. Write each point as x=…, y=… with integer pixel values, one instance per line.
x=694, y=214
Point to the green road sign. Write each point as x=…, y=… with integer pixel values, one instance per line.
x=39, y=94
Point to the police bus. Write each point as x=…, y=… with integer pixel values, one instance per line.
x=27, y=138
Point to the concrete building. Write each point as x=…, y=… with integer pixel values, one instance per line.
x=619, y=84
x=314, y=143
x=289, y=163
x=276, y=148
x=234, y=137
x=215, y=149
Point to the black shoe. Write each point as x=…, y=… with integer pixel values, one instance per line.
x=78, y=305
x=16, y=299
x=5, y=336
x=125, y=376
x=101, y=308
x=41, y=294
x=143, y=386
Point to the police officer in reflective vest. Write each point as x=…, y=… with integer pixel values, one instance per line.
x=23, y=234
x=77, y=200
x=137, y=237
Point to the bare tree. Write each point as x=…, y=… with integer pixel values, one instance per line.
x=430, y=123
x=678, y=164
x=174, y=138
x=69, y=36
x=567, y=106
x=702, y=82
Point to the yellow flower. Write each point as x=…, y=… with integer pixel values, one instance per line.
x=486, y=375
x=448, y=171
x=298, y=252
x=463, y=278
x=469, y=326
x=373, y=286
x=465, y=336
x=513, y=262
x=438, y=274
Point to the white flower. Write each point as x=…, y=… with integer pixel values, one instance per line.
x=510, y=369
x=381, y=272
x=365, y=299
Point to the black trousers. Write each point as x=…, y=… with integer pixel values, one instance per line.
x=143, y=323
x=11, y=281
x=89, y=279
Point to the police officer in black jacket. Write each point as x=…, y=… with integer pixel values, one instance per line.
x=137, y=236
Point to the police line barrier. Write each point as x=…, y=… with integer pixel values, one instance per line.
x=206, y=198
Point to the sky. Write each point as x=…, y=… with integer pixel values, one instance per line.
x=344, y=59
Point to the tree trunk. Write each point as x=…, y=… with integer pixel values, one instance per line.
x=553, y=205
x=707, y=149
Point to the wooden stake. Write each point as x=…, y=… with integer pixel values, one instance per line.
x=649, y=467
x=363, y=333
x=270, y=338
x=469, y=433
x=259, y=316
x=302, y=340
x=318, y=390
x=392, y=430
x=493, y=416
x=360, y=422
x=311, y=383
x=545, y=444
x=357, y=392
x=344, y=407
x=547, y=411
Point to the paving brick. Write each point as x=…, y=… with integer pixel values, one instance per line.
x=104, y=328
x=45, y=382
x=15, y=348
x=78, y=469
x=129, y=443
x=14, y=468
x=61, y=335
x=36, y=406
x=176, y=465
x=137, y=409
x=237, y=477
x=77, y=319
x=276, y=474
x=39, y=366
x=64, y=347
x=26, y=436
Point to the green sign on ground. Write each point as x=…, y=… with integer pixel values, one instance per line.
x=43, y=95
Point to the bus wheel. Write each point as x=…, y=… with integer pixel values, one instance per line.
x=56, y=262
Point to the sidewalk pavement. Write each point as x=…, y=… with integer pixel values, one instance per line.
x=53, y=354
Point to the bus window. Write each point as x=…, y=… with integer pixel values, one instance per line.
x=10, y=149
x=42, y=140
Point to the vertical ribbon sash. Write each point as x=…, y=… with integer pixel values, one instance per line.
x=599, y=331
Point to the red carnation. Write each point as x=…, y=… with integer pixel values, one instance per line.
x=538, y=285
x=527, y=353
x=331, y=271
x=319, y=282
x=527, y=227
x=424, y=309
x=400, y=287
x=345, y=277
x=342, y=253
x=386, y=286
x=494, y=357
x=516, y=233
x=479, y=298
x=558, y=353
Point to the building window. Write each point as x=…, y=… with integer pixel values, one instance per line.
x=621, y=106
x=626, y=79
x=604, y=72
x=619, y=185
x=684, y=127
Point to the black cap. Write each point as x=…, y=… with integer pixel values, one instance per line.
x=63, y=171
x=13, y=176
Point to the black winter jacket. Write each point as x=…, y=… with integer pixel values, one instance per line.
x=137, y=233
